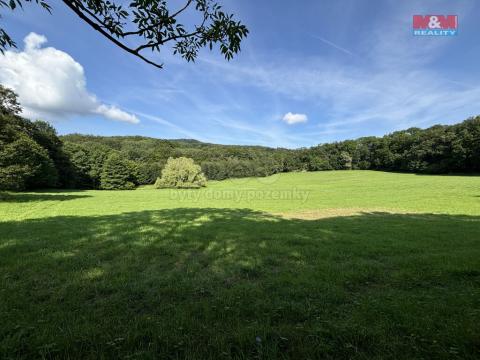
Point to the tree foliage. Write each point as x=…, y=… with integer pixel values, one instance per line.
x=151, y=24
x=9, y=104
x=117, y=174
x=181, y=172
x=88, y=161
x=25, y=162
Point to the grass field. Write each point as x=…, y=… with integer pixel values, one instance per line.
x=352, y=264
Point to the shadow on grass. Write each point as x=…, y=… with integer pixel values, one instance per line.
x=19, y=197
x=223, y=283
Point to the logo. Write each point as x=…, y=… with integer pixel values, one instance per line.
x=435, y=25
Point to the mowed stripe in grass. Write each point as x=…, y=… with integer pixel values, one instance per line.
x=369, y=265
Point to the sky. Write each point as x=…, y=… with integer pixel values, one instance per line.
x=309, y=72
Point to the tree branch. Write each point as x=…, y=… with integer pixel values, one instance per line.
x=153, y=26
x=182, y=9
x=98, y=28
x=170, y=38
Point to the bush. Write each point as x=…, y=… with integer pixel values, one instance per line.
x=181, y=172
x=117, y=174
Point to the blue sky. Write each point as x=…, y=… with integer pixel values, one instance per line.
x=337, y=69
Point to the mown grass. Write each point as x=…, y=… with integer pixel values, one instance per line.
x=368, y=265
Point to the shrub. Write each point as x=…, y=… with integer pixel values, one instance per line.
x=117, y=174
x=181, y=172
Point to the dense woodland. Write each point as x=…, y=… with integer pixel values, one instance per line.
x=32, y=155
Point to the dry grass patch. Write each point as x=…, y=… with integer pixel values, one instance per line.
x=316, y=214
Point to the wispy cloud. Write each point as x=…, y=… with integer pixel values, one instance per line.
x=389, y=81
x=397, y=87
x=332, y=44
x=177, y=129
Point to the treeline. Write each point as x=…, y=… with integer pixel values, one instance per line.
x=32, y=155
x=149, y=155
x=437, y=150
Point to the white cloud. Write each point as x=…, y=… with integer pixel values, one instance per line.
x=115, y=113
x=291, y=118
x=34, y=41
x=51, y=84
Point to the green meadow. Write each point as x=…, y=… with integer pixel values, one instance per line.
x=334, y=265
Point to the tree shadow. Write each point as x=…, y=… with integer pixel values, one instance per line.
x=18, y=197
x=235, y=283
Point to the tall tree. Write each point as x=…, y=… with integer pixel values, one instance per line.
x=117, y=174
x=25, y=164
x=151, y=25
x=46, y=136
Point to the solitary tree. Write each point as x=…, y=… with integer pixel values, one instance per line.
x=181, y=172
x=151, y=24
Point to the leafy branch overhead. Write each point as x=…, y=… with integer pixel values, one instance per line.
x=150, y=24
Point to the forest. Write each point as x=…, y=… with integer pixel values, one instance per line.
x=33, y=155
